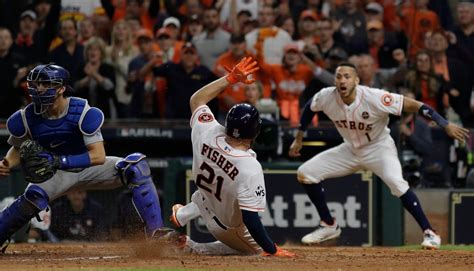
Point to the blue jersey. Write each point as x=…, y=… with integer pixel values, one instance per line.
x=64, y=135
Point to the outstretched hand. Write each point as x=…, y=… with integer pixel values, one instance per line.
x=242, y=71
x=457, y=132
x=295, y=148
x=280, y=253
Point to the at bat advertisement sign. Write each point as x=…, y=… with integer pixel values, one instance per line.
x=290, y=215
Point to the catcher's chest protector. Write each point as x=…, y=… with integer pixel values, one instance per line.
x=61, y=136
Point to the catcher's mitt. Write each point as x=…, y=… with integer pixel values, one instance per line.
x=38, y=165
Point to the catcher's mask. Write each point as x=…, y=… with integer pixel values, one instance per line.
x=50, y=78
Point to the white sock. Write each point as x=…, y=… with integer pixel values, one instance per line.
x=187, y=213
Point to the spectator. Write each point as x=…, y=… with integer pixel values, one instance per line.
x=373, y=11
x=132, y=9
x=415, y=145
x=243, y=10
x=267, y=107
x=173, y=26
x=97, y=83
x=169, y=48
x=320, y=52
x=193, y=29
x=143, y=102
x=25, y=44
x=268, y=40
x=351, y=27
x=417, y=20
x=214, y=41
x=286, y=23
x=78, y=217
x=79, y=10
x=70, y=54
x=12, y=70
x=242, y=18
x=86, y=30
x=425, y=85
x=465, y=30
x=307, y=28
x=372, y=76
x=452, y=71
x=290, y=80
x=183, y=80
x=383, y=43
x=119, y=54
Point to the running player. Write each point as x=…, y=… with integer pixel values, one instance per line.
x=361, y=115
x=231, y=188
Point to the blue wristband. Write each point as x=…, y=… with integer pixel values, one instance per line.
x=429, y=113
x=306, y=116
x=75, y=161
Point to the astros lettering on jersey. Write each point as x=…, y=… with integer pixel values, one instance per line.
x=365, y=120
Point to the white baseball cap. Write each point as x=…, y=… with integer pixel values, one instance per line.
x=172, y=20
x=374, y=7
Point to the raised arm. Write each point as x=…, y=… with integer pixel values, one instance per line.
x=412, y=106
x=239, y=73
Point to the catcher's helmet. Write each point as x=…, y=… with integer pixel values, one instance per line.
x=51, y=77
x=243, y=122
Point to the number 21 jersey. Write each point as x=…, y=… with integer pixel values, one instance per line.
x=228, y=179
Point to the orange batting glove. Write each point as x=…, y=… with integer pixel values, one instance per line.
x=241, y=71
x=280, y=253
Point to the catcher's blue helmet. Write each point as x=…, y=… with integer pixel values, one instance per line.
x=51, y=77
x=243, y=122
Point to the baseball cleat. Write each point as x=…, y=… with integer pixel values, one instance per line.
x=322, y=233
x=3, y=247
x=431, y=240
x=173, y=217
x=170, y=236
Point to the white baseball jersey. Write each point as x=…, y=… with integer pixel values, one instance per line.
x=228, y=179
x=365, y=120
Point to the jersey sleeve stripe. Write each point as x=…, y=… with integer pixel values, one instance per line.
x=194, y=114
x=402, y=99
x=251, y=208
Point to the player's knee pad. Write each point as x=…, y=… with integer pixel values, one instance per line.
x=22, y=210
x=135, y=172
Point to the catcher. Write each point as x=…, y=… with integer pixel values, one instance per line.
x=57, y=141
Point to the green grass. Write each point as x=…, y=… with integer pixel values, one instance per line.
x=444, y=247
x=148, y=269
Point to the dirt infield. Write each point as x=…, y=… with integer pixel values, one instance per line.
x=86, y=256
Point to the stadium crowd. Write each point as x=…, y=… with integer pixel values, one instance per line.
x=145, y=58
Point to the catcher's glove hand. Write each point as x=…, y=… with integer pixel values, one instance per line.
x=37, y=164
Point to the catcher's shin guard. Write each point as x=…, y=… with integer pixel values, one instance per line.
x=21, y=211
x=135, y=172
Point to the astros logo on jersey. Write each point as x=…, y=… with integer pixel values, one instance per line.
x=387, y=99
x=205, y=117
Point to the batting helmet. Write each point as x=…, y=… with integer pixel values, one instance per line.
x=51, y=77
x=243, y=122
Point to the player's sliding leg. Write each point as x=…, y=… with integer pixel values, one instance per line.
x=20, y=212
x=213, y=248
x=331, y=163
x=135, y=171
x=387, y=166
x=181, y=215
